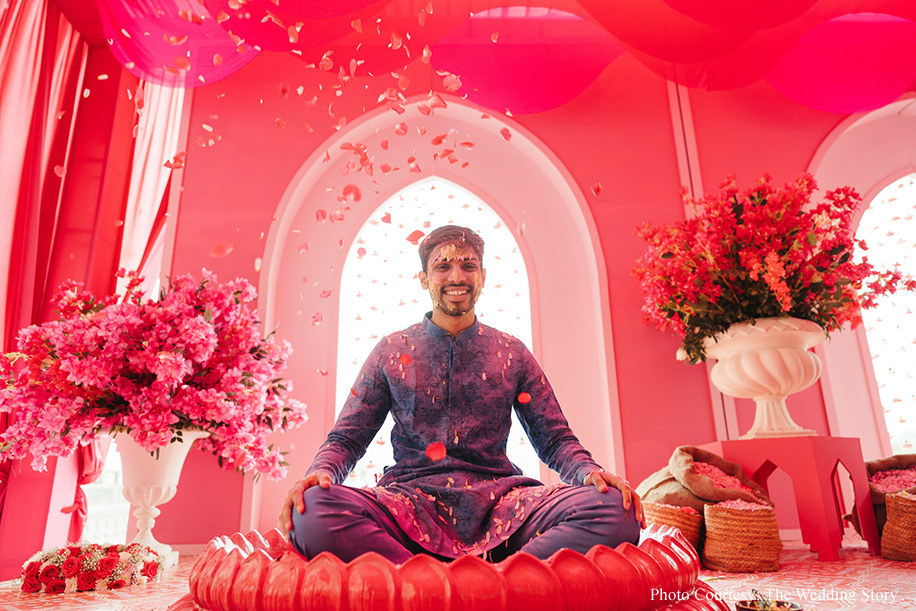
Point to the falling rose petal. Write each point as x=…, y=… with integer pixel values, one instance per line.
x=325, y=294
x=451, y=82
x=323, y=372
x=494, y=36
x=424, y=109
x=182, y=63
x=400, y=129
x=217, y=59
x=281, y=122
x=597, y=189
x=222, y=17
x=221, y=250
x=357, y=24
x=360, y=253
x=385, y=168
x=303, y=248
x=413, y=166
x=439, y=139
x=467, y=145
x=352, y=193
x=293, y=33
x=437, y=101
x=257, y=264
x=396, y=41
x=386, y=218
x=384, y=144
x=190, y=17
x=336, y=215
x=59, y=171
x=435, y=451
x=175, y=40
x=321, y=215
x=524, y=398
x=396, y=108
x=405, y=359
x=427, y=55
x=340, y=243
x=177, y=162
x=507, y=135
x=421, y=130
x=316, y=319
x=421, y=18
x=326, y=63
x=414, y=237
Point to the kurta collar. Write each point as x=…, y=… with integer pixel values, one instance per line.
x=439, y=333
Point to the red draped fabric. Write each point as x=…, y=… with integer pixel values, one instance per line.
x=90, y=462
x=61, y=103
x=40, y=60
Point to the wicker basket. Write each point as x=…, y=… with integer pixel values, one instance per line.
x=898, y=542
x=689, y=523
x=741, y=540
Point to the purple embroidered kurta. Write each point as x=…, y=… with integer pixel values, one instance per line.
x=460, y=392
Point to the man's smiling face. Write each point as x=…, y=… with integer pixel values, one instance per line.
x=454, y=278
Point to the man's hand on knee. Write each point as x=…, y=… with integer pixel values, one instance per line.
x=602, y=480
x=294, y=498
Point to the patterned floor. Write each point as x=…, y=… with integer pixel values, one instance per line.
x=857, y=582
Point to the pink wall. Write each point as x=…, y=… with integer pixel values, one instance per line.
x=619, y=133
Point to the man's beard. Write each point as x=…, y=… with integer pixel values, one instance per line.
x=451, y=309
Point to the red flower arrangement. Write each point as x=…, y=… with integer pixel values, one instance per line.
x=90, y=567
x=763, y=252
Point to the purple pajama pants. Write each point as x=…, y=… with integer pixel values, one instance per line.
x=349, y=522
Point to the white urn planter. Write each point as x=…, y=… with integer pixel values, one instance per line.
x=767, y=360
x=150, y=480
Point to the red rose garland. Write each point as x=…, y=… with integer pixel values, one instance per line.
x=90, y=567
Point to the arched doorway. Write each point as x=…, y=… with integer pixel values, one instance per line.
x=333, y=195
x=849, y=385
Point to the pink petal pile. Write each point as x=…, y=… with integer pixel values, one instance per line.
x=720, y=479
x=893, y=480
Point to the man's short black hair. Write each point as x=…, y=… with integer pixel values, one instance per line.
x=448, y=234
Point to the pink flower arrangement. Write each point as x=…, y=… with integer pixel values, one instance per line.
x=193, y=359
x=742, y=505
x=763, y=252
x=90, y=567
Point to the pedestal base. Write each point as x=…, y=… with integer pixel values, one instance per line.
x=811, y=463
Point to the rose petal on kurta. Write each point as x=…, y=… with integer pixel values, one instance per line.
x=524, y=398
x=405, y=359
x=435, y=451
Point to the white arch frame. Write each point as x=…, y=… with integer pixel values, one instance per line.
x=525, y=183
x=867, y=151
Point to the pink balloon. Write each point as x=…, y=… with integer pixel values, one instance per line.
x=852, y=63
x=171, y=42
x=524, y=59
x=742, y=14
x=672, y=36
